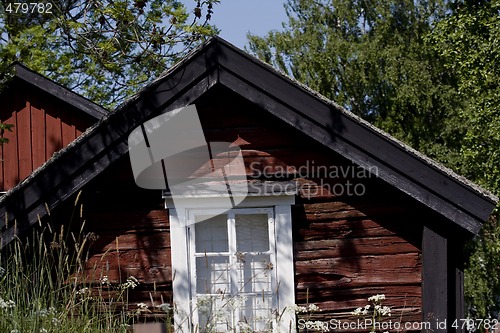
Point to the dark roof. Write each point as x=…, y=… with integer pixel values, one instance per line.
x=217, y=62
x=21, y=72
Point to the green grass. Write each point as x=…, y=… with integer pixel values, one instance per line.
x=43, y=287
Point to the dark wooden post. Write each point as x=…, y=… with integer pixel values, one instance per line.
x=435, y=280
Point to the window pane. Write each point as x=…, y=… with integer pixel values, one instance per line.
x=254, y=272
x=211, y=234
x=212, y=275
x=214, y=314
x=217, y=313
x=252, y=234
x=256, y=315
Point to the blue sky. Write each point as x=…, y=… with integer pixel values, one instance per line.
x=237, y=17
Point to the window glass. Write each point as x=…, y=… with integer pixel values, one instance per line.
x=233, y=276
x=211, y=234
x=213, y=275
x=252, y=232
x=214, y=314
x=256, y=313
x=254, y=273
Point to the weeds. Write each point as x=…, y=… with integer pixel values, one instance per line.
x=45, y=287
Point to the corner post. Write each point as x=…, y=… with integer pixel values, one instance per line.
x=435, y=280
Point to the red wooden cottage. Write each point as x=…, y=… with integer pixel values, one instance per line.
x=45, y=117
x=341, y=211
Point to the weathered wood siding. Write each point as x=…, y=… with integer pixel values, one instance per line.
x=131, y=231
x=346, y=248
x=346, y=252
x=42, y=126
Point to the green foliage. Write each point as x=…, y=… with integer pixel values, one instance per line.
x=371, y=58
x=426, y=72
x=104, y=49
x=482, y=282
x=469, y=42
x=47, y=285
x=4, y=127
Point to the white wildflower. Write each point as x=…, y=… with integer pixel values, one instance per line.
x=83, y=291
x=357, y=312
x=142, y=306
x=237, y=302
x=204, y=304
x=367, y=307
x=6, y=304
x=297, y=309
x=313, y=308
x=43, y=330
x=376, y=298
x=165, y=307
x=105, y=281
x=303, y=309
x=385, y=311
x=84, y=294
x=56, y=321
x=244, y=327
x=50, y=311
x=131, y=282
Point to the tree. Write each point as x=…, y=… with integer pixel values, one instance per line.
x=104, y=49
x=469, y=42
x=371, y=57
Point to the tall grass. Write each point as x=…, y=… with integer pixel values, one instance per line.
x=44, y=286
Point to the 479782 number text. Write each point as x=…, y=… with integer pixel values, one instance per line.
x=31, y=7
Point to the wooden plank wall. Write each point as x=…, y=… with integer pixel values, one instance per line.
x=348, y=251
x=346, y=248
x=42, y=126
x=132, y=238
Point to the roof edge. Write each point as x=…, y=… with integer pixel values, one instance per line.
x=436, y=165
x=24, y=73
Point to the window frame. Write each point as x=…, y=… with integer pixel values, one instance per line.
x=183, y=246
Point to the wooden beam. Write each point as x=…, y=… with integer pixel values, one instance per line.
x=456, y=283
x=435, y=294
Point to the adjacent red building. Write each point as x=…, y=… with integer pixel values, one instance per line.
x=45, y=117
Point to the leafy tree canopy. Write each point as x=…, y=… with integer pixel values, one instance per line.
x=104, y=49
x=370, y=57
x=469, y=43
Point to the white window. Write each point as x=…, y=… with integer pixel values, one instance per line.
x=233, y=270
